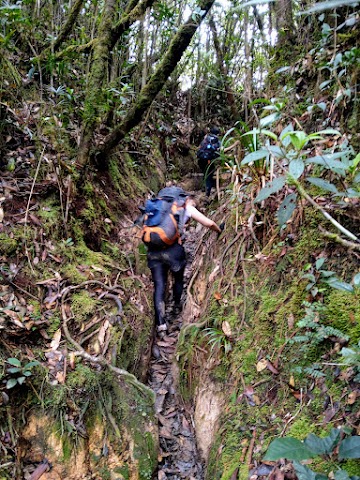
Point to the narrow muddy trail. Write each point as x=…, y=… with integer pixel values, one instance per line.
x=179, y=458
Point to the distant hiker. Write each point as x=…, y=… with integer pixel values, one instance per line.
x=163, y=223
x=207, y=154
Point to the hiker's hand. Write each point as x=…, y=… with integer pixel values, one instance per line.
x=221, y=226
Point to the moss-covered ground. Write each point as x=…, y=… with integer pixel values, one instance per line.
x=280, y=364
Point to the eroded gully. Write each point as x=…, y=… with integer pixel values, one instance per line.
x=178, y=458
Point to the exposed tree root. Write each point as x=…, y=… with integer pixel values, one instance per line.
x=99, y=359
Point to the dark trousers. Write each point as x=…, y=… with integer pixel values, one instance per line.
x=160, y=275
x=209, y=183
x=171, y=259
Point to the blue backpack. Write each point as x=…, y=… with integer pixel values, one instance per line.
x=209, y=148
x=163, y=217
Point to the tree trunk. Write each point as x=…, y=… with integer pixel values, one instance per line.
x=147, y=94
x=223, y=71
x=98, y=71
x=284, y=21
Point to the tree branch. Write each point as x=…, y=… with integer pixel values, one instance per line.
x=65, y=31
x=338, y=239
x=156, y=82
x=131, y=16
x=336, y=224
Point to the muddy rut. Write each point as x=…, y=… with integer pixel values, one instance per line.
x=178, y=458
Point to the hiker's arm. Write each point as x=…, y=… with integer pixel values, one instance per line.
x=207, y=222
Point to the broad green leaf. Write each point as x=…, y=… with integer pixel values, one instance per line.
x=11, y=383
x=276, y=151
x=253, y=156
x=327, y=5
x=355, y=162
x=329, y=131
x=34, y=363
x=319, y=263
x=327, y=162
x=323, y=85
x=269, y=119
x=21, y=380
x=270, y=188
x=356, y=280
x=351, y=193
x=258, y=131
x=322, y=106
x=257, y=101
x=286, y=209
x=341, y=475
x=286, y=140
x=325, y=445
x=269, y=133
x=304, y=473
x=298, y=138
x=357, y=178
x=14, y=361
x=288, y=447
x=27, y=373
x=14, y=370
x=350, y=448
x=309, y=276
x=282, y=69
x=324, y=184
x=296, y=167
x=326, y=273
x=340, y=285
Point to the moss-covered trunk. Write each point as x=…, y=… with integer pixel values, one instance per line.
x=172, y=57
x=96, y=79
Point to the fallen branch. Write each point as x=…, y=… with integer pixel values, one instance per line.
x=338, y=239
x=40, y=470
x=336, y=224
x=99, y=360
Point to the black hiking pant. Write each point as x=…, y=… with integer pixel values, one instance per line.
x=171, y=259
x=208, y=169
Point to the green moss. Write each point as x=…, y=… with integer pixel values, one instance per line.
x=55, y=322
x=8, y=246
x=123, y=471
x=50, y=214
x=82, y=305
x=301, y=428
x=83, y=377
x=343, y=313
x=351, y=466
x=67, y=448
x=72, y=274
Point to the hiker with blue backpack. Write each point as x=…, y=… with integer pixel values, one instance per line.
x=164, y=218
x=207, y=154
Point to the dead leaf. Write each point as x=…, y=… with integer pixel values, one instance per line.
x=55, y=342
x=261, y=365
x=214, y=273
x=1, y=214
x=352, y=397
x=60, y=377
x=292, y=381
x=291, y=321
x=271, y=367
x=102, y=332
x=276, y=474
x=72, y=360
x=226, y=328
x=217, y=296
x=35, y=219
x=97, y=269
